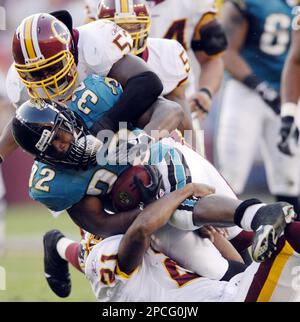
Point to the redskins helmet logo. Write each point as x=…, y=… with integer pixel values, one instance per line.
x=61, y=32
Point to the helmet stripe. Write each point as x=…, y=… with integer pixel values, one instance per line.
x=28, y=39
x=35, y=36
x=22, y=41
x=124, y=6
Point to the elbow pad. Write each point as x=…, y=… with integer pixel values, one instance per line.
x=213, y=39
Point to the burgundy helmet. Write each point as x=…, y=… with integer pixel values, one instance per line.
x=131, y=15
x=42, y=50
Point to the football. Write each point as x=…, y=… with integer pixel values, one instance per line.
x=125, y=196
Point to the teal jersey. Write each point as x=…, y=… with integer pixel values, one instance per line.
x=95, y=96
x=268, y=38
x=59, y=188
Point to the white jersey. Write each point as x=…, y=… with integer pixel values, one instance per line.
x=100, y=45
x=158, y=278
x=181, y=20
x=169, y=60
x=178, y=19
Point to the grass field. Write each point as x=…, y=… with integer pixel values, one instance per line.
x=23, y=260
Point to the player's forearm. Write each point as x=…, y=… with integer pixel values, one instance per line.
x=237, y=67
x=226, y=249
x=236, y=27
x=137, y=239
x=7, y=142
x=290, y=90
x=166, y=117
x=90, y=216
x=178, y=96
x=157, y=214
x=212, y=71
x=186, y=125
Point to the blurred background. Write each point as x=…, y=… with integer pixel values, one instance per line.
x=26, y=221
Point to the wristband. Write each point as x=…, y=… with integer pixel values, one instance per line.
x=201, y=108
x=207, y=91
x=288, y=109
x=251, y=81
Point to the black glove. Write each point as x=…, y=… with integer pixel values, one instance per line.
x=151, y=192
x=288, y=133
x=270, y=96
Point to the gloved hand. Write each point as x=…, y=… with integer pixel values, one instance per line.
x=151, y=192
x=289, y=134
x=269, y=95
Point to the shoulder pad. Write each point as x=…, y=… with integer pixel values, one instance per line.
x=102, y=44
x=172, y=64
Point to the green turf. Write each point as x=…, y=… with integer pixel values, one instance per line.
x=23, y=261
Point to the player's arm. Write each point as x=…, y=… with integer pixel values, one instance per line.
x=137, y=239
x=7, y=142
x=236, y=26
x=90, y=215
x=217, y=237
x=209, y=41
x=178, y=95
x=290, y=92
x=161, y=119
x=290, y=89
x=141, y=89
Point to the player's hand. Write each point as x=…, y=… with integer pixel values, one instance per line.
x=289, y=136
x=201, y=104
x=151, y=192
x=269, y=95
x=201, y=190
x=210, y=232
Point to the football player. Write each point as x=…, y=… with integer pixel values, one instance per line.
x=66, y=143
x=194, y=25
x=259, y=39
x=117, y=266
x=48, y=178
x=167, y=58
x=52, y=58
x=290, y=92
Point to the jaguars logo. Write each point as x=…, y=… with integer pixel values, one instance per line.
x=61, y=32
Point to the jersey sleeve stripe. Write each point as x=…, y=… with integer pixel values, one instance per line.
x=124, y=275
